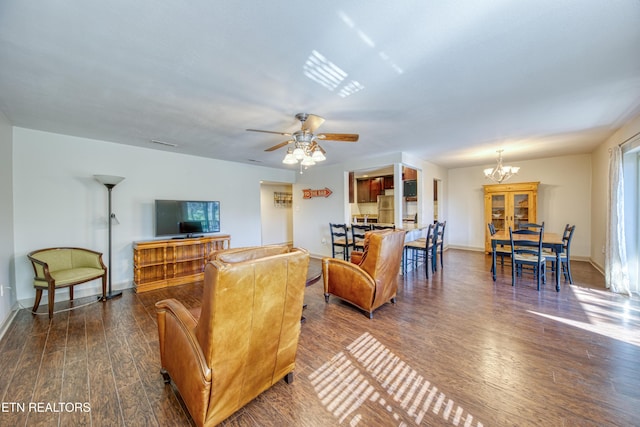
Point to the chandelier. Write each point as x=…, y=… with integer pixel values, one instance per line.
x=305, y=150
x=500, y=172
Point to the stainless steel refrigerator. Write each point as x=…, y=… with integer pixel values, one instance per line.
x=385, y=209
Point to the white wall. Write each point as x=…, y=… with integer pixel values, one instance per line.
x=7, y=276
x=429, y=172
x=564, y=197
x=57, y=202
x=277, y=221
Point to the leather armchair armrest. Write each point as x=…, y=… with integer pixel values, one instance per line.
x=179, y=348
x=356, y=257
x=348, y=281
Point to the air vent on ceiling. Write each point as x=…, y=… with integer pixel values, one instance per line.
x=168, y=144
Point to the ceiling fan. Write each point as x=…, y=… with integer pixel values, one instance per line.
x=305, y=146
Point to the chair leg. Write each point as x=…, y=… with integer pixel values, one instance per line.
x=426, y=264
x=404, y=261
x=104, y=287
x=326, y=298
x=569, y=271
x=36, y=304
x=165, y=376
x=51, y=296
x=70, y=293
x=288, y=378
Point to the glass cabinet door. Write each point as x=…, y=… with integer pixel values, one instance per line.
x=498, y=211
x=521, y=209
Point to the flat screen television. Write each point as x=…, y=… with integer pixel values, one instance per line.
x=186, y=218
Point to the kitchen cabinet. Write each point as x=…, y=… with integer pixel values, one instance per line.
x=388, y=182
x=409, y=174
x=363, y=191
x=509, y=205
x=370, y=188
x=376, y=187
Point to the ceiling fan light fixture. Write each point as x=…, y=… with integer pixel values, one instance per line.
x=304, y=149
x=307, y=161
x=317, y=155
x=298, y=153
x=289, y=158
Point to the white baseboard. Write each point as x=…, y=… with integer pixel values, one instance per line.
x=78, y=292
x=464, y=248
x=9, y=320
x=597, y=266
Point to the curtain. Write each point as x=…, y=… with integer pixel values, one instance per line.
x=616, y=273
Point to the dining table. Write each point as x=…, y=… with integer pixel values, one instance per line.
x=551, y=241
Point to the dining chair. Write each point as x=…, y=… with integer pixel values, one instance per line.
x=383, y=227
x=530, y=226
x=339, y=240
x=565, y=261
x=440, y=241
x=501, y=250
x=422, y=250
x=357, y=235
x=527, y=251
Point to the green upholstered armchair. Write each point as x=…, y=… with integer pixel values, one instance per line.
x=57, y=268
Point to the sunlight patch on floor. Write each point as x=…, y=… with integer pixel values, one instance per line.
x=367, y=374
x=608, y=314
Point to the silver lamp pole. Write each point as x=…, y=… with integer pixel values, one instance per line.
x=109, y=181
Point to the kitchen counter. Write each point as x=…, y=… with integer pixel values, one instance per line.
x=370, y=218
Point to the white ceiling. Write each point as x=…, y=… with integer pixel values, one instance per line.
x=448, y=81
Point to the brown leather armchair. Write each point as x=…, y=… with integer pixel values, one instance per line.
x=243, y=339
x=370, y=280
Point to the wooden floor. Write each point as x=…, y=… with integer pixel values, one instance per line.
x=456, y=350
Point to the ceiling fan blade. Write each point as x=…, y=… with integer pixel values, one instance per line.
x=282, y=144
x=310, y=122
x=342, y=137
x=269, y=131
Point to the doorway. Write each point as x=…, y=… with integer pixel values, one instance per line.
x=276, y=213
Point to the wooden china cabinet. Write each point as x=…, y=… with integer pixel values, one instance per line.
x=508, y=205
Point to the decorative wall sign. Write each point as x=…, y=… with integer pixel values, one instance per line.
x=309, y=193
x=282, y=200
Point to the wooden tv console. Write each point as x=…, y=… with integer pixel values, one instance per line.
x=163, y=263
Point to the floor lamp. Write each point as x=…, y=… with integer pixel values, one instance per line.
x=109, y=181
